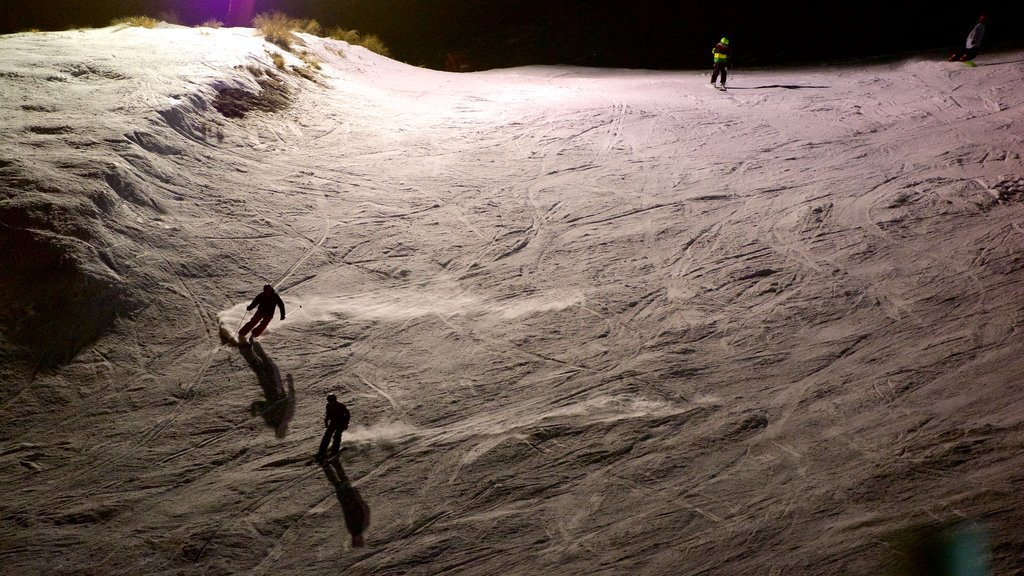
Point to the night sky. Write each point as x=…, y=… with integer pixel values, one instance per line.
x=613, y=33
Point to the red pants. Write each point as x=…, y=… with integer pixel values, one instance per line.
x=257, y=318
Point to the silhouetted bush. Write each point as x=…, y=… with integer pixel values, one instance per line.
x=374, y=44
x=140, y=21
x=277, y=28
x=339, y=33
x=371, y=42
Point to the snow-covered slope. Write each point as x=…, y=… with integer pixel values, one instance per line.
x=586, y=321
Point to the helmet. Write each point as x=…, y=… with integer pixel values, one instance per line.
x=331, y=397
x=267, y=288
x=724, y=40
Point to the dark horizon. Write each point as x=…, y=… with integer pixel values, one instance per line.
x=640, y=34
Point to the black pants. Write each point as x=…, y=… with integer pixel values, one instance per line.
x=332, y=431
x=720, y=67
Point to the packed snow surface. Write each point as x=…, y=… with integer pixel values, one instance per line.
x=586, y=321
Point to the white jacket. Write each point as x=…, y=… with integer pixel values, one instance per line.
x=974, y=38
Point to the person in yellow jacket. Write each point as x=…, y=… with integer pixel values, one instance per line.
x=721, y=54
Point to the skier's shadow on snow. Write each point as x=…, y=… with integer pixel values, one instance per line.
x=783, y=86
x=278, y=406
x=357, y=513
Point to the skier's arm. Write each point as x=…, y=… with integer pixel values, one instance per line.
x=281, y=304
x=255, y=302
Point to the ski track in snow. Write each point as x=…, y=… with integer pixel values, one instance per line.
x=589, y=320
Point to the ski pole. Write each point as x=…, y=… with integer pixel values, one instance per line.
x=246, y=313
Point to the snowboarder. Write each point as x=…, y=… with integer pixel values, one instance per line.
x=973, y=43
x=721, y=54
x=336, y=420
x=264, y=302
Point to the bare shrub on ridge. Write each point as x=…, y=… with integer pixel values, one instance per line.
x=277, y=28
x=339, y=33
x=140, y=21
x=371, y=42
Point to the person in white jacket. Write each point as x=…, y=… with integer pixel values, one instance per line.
x=973, y=42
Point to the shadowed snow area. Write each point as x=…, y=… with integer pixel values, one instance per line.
x=586, y=321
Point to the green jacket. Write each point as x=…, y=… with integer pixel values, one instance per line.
x=720, y=52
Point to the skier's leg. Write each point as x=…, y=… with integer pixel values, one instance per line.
x=263, y=325
x=324, y=442
x=714, y=73
x=336, y=446
x=248, y=325
x=725, y=73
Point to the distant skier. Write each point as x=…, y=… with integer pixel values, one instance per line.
x=336, y=420
x=456, y=62
x=721, y=55
x=973, y=43
x=264, y=302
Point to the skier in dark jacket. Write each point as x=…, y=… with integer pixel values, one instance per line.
x=721, y=55
x=336, y=421
x=264, y=302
